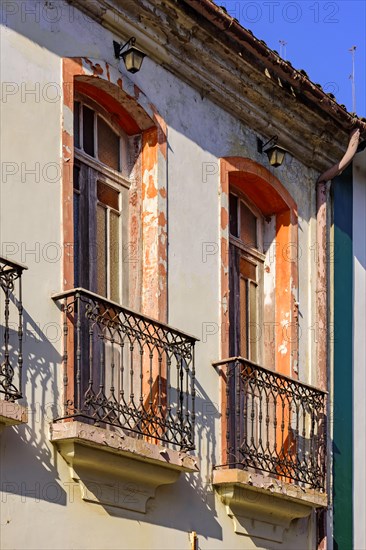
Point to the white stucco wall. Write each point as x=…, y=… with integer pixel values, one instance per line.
x=40, y=507
x=359, y=349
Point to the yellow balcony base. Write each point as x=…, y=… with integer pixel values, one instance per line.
x=262, y=506
x=114, y=469
x=12, y=414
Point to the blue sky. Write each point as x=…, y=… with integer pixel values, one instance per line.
x=319, y=35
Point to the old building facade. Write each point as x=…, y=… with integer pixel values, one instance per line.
x=167, y=289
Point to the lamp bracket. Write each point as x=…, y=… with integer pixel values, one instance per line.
x=270, y=142
x=119, y=47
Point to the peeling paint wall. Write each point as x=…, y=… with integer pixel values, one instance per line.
x=179, y=224
x=269, y=292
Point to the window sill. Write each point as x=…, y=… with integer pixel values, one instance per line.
x=12, y=414
x=114, y=469
x=262, y=506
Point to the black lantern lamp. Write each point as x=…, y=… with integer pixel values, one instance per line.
x=274, y=152
x=132, y=56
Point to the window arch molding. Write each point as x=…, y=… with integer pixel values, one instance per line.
x=130, y=109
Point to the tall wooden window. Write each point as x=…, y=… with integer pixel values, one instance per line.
x=246, y=278
x=100, y=201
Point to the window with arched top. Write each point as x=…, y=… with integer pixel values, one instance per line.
x=260, y=267
x=101, y=184
x=114, y=220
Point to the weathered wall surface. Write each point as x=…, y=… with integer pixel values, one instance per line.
x=40, y=506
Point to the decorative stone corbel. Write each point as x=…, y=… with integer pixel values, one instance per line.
x=117, y=470
x=261, y=506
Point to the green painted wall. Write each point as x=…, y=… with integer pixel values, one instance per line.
x=343, y=361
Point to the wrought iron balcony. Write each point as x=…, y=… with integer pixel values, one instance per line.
x=126, y=370
x=274, y=424
x=11, y=354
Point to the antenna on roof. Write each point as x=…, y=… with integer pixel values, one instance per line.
x=352, y=78
x=283, y=45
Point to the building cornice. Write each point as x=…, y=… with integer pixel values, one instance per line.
x=206, y=48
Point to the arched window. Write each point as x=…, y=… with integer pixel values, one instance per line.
x=259, y=267
x=101, y=186
x=246, y=276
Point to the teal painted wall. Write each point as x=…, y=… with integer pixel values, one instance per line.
x=343, y=361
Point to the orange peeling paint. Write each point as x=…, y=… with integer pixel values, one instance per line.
x=151, y=191
x=97, y=69
x=108, y=73
x=133, y=198
x=162, y=131
x=283, y=296
x=162, y=249
x=154, y=240
x=224, y=252
x=149, y=143
x=67, y=139
x=162, y=219
x=224, y=218
x=321, y=284
x=70, y=68
x=143, y=191
x=136, y=91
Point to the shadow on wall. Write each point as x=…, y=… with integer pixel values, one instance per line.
x=25, y=448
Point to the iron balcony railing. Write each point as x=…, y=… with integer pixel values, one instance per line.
x=11, y=329
x=124, y=369
x=274, y=424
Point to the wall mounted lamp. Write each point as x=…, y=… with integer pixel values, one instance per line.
x=132, y=56
x=274, y=152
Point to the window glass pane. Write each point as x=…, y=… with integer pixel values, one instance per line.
x=101, y=250
x=248, y=226
x=108, y=145
x=107, y=195
x=76, y=177
x=77, y=124
x=253, y=327
x=88, y=130
x=243, y=318
x=114, y=251
x=233, y=211
x=248, y=269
